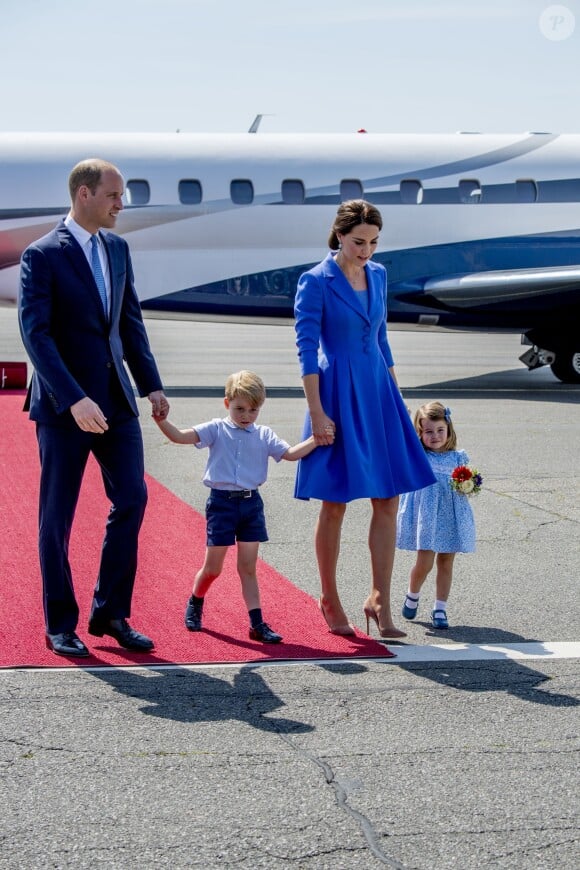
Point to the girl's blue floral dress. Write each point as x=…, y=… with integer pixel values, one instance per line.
x=437, y=518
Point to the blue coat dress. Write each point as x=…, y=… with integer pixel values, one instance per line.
x=376, y=452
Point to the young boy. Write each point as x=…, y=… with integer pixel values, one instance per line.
x=237, y=465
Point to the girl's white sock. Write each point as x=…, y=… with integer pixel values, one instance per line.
x=440, y=605
x=412, y=601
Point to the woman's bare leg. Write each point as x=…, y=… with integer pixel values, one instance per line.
x=382, y=539
x=327, y=544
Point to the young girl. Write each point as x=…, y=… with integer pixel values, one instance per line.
x=436, y=521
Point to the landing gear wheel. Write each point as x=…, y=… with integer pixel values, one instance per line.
x=566, y=366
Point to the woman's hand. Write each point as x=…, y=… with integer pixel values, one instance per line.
x=323, y=429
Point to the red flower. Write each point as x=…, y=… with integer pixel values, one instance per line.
x=461, y=473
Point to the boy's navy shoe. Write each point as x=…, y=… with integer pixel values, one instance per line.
x=264, y=633
x=439, y=619
x=193, y=613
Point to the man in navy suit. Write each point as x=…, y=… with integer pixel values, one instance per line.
x=80, y=320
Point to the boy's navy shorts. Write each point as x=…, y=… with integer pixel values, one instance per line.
x=234, y=517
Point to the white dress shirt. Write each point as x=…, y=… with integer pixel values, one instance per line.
x=83, y=237
x=238, y=458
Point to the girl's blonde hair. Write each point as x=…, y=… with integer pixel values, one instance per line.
x=248, y=386
x=436, y=411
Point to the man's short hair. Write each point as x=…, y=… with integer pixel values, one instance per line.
x=88, y=173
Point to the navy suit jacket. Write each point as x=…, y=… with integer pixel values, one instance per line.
x=75, y=351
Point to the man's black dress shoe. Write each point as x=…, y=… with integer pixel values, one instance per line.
x=125, y=636
x=66, y=644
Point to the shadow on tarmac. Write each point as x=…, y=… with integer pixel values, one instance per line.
x=184, y=695
x=501, y=385
x=509, y=676
x=512, y=384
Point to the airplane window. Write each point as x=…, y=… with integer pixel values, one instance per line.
x=499, y=193
x=411, y=191
x=559, y=190
x=350, y=188
x=242, y=191
x=190, y=191
x=138, y=192
x=526, y=190
x=469, y=190
x=292, y=192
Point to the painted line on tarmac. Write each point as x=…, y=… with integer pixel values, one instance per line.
x=478, y=652
x=405, y=654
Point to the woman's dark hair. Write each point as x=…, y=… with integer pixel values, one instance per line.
x=351, y=214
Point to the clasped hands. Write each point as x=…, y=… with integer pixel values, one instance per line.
x=323, y=429
x=160, y=404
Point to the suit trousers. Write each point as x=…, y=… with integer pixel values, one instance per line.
x=64, y=451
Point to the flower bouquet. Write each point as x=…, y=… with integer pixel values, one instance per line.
x=466, y=480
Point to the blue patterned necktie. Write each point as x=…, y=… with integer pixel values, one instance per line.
x=98, y=273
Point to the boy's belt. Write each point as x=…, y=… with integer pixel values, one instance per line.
x=236, y=493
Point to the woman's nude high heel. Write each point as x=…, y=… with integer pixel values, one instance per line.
x=392, y=633
x=345, y=630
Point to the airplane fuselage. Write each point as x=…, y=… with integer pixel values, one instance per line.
x=480, y=231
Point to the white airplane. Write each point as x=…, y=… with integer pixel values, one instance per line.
x=481, y=232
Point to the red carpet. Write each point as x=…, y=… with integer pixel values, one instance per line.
x=172, y=544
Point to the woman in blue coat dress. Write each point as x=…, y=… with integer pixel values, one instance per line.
x=352, y=393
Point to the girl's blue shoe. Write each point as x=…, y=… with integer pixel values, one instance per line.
x=409, y=612
x=439, y=619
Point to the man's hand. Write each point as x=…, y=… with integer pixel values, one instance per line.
x=88, y=416
x=160, y=405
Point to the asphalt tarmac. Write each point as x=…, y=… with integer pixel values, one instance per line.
x=461, y=753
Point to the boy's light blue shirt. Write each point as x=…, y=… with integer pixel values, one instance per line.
x=238, y=458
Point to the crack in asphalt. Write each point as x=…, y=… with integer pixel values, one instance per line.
x=341, y=795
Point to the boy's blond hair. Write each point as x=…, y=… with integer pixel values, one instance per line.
x=436, y=411
x=246, y=385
